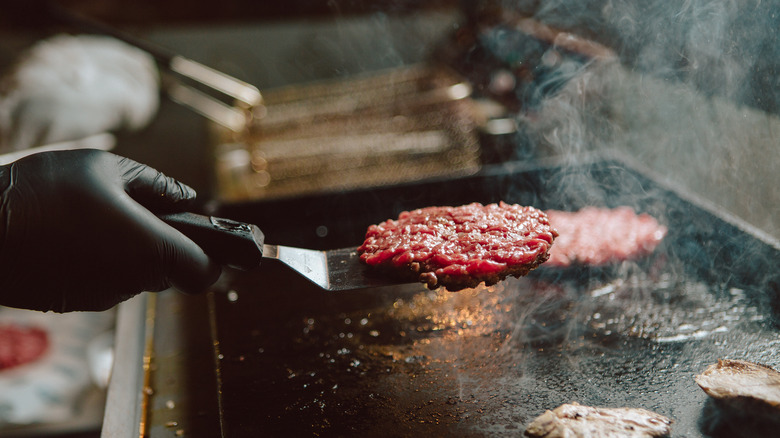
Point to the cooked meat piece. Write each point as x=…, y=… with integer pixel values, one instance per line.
x=746, y=387
x=598, y=236
x=21, y=345
x=577, y=421
x=460, y=247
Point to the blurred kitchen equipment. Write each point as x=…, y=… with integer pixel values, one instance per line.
x=386, y=127
x=447, y=117
x=66, y=88
x=406, y=124
x=209, y=92
x=516, y=60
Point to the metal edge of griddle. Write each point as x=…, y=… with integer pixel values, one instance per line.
x=216, y=357
x=631, y=163
x=125, y=400
x=690, y=197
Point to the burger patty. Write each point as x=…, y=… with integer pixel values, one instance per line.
x=598, y=236
x=460, y=247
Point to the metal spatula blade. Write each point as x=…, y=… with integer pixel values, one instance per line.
x=241, y=245
x=333, y=270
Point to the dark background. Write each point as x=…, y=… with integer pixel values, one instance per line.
x=724, y=48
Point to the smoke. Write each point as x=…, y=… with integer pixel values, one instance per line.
x=722, y=46
x=692, y=94
x=579, y=116
x=714, y=45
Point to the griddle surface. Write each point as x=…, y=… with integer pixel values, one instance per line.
x=405, y=361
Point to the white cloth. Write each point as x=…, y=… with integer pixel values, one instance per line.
x=69, y=87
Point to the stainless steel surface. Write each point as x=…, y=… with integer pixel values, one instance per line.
x=125, y=409
x=248, y=95
x=183, y=401
x=231, y=117
x=235, y=115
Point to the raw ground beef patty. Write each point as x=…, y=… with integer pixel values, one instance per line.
x=460, y=247
x=598, y=236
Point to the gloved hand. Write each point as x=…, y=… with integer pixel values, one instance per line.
x=78, y=231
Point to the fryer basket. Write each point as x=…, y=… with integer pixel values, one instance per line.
x=382, y=128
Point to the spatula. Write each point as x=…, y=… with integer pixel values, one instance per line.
x=241, y=246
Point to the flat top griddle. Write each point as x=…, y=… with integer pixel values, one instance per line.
x=404, y=361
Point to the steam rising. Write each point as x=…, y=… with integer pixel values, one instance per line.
x=685, y=98
x=688, y=97
x=719, y=45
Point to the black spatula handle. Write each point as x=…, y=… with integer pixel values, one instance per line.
x=232, y=243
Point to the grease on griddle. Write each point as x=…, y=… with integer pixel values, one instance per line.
x=422, y=361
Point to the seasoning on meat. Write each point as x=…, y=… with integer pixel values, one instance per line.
x=21, y=345
x=598, y=236
x=575, y=420
x=747, y=388
x=460, y=247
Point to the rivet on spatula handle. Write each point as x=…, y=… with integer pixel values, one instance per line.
x=232, y=243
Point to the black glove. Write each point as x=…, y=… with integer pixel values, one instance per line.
x=78, y=231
